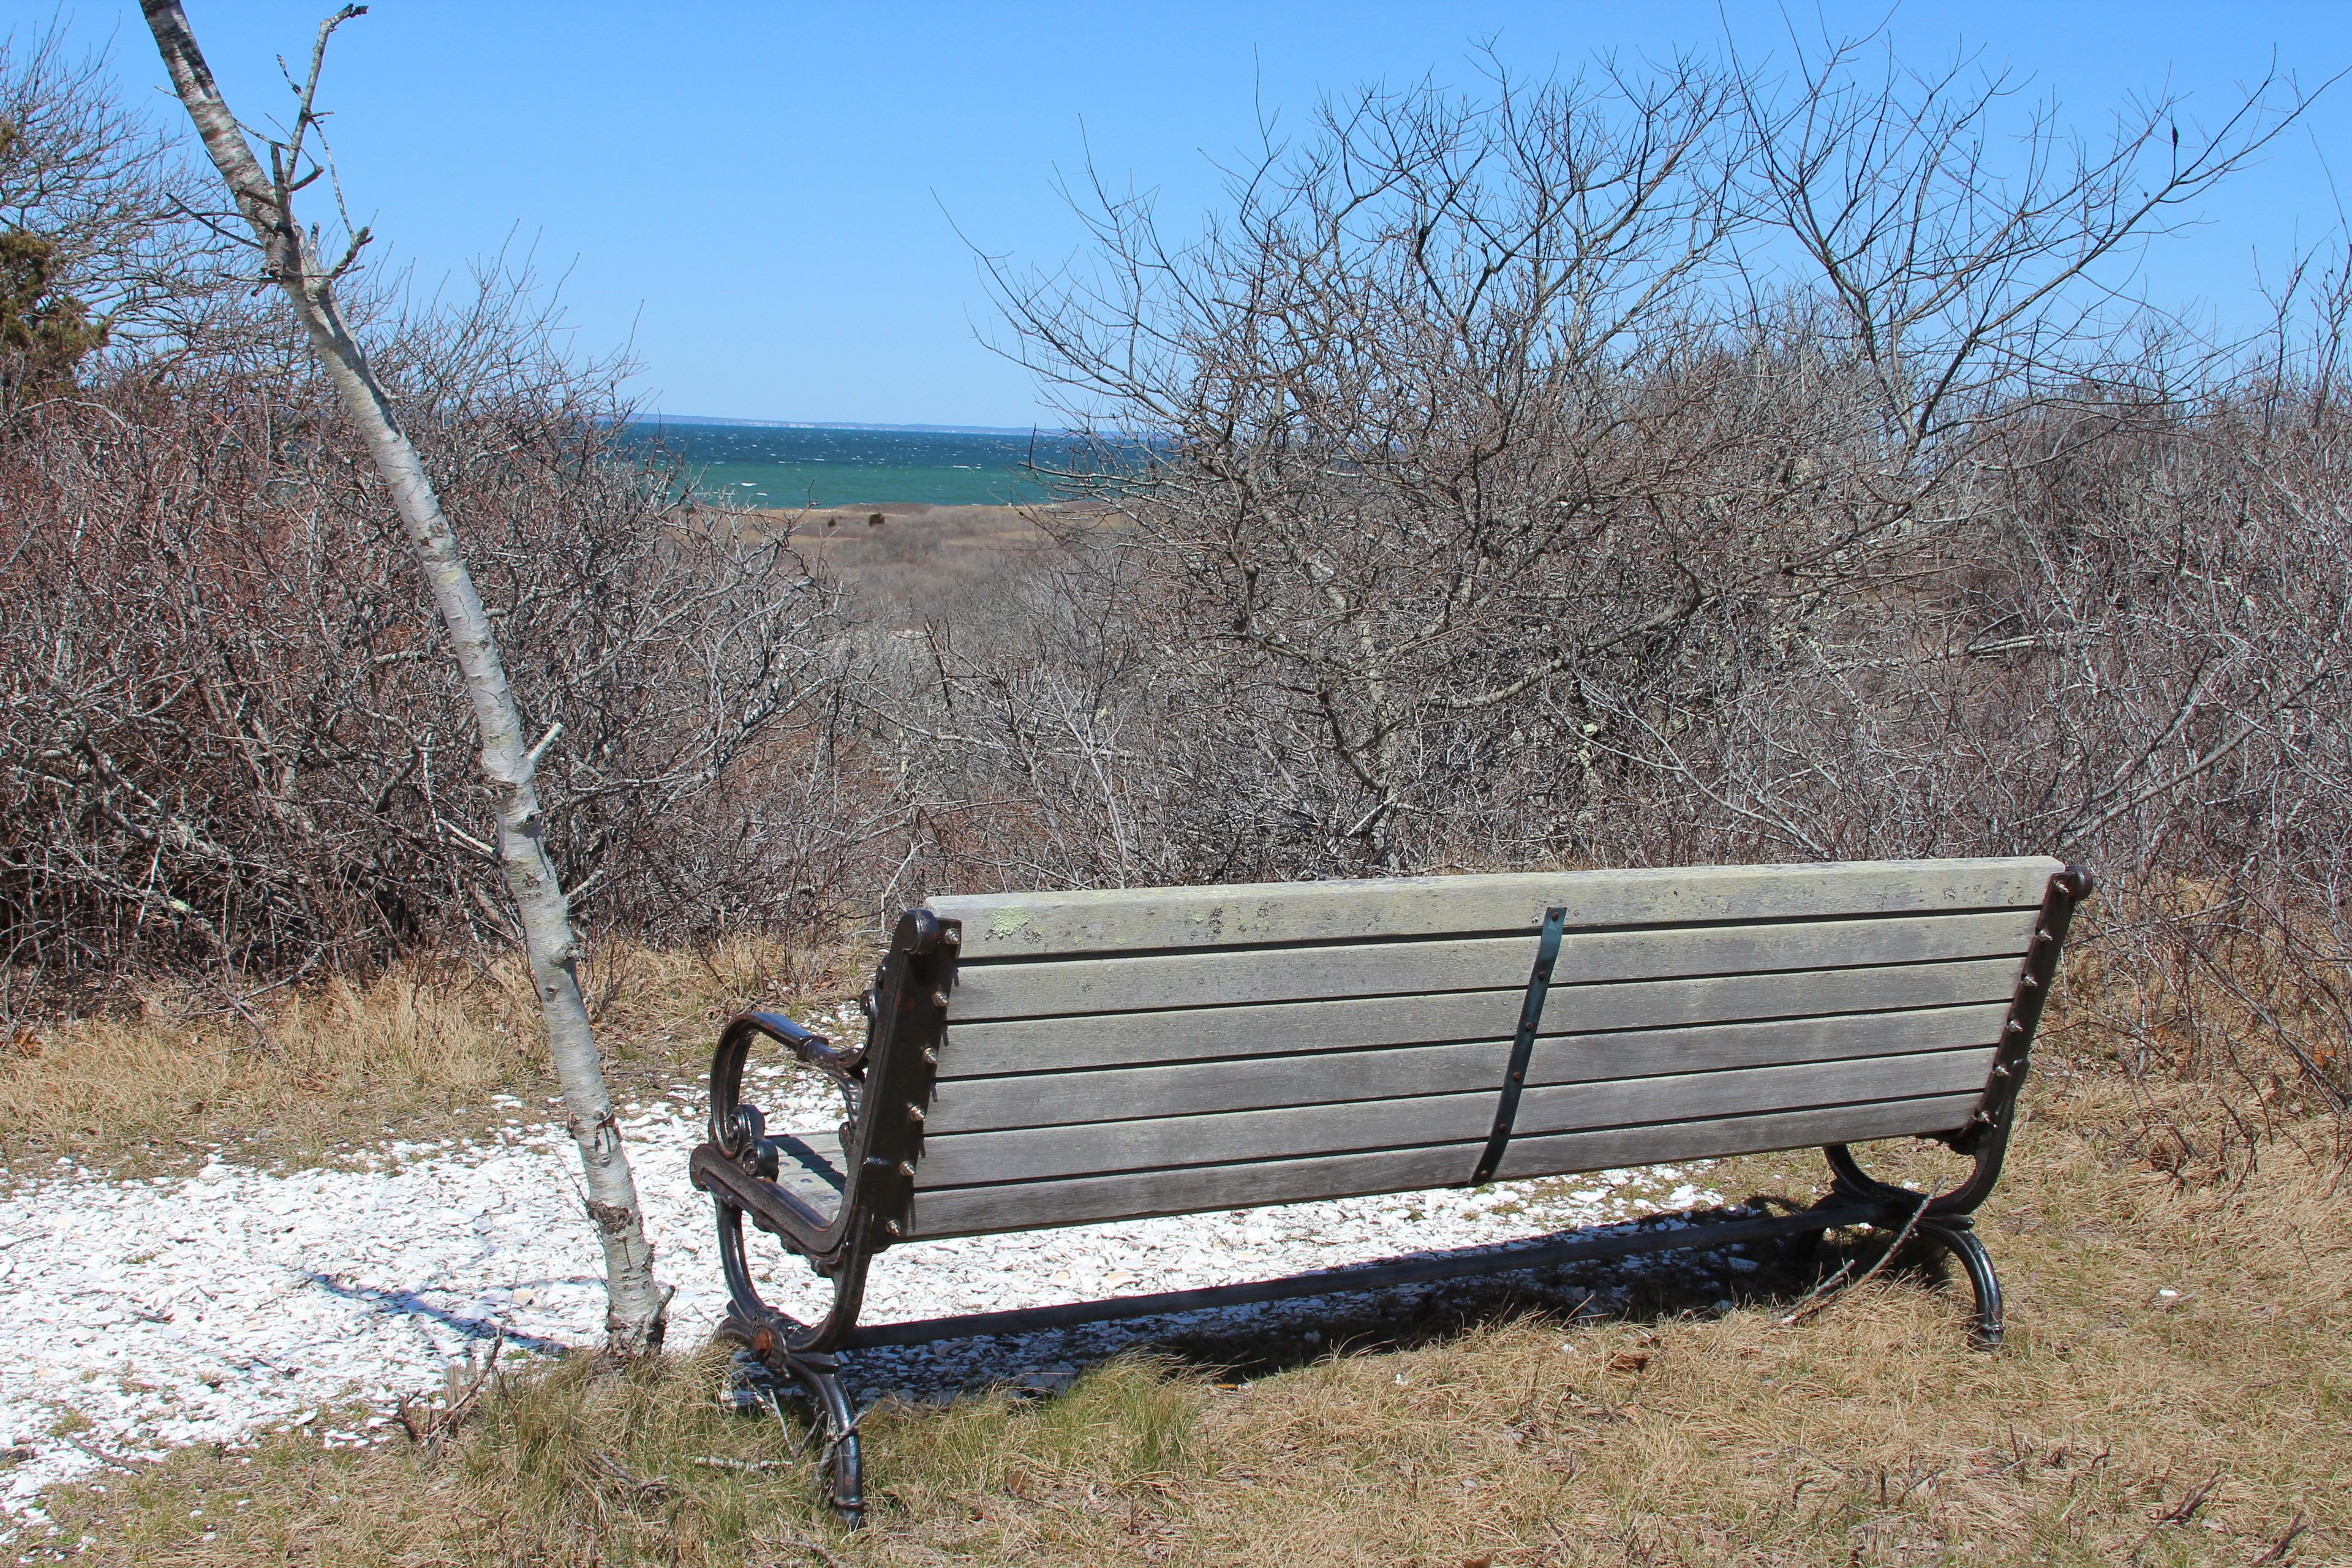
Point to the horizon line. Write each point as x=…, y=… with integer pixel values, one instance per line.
x=844, y=424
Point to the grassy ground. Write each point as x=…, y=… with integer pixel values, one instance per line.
x=926, y=564
x=2177, y=1389
x=331, y=1073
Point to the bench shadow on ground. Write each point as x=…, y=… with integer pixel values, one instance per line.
x=1232, y=1345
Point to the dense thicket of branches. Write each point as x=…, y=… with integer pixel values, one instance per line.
x=228, y=735
x=1691, y=464
x=1652, y=469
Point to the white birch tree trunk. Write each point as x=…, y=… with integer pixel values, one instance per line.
x=635, y=1306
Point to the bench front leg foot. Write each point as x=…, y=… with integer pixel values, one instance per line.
x=838, y=1466
x=1958, y=1234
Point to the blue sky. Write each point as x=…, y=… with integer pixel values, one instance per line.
x=764, y=198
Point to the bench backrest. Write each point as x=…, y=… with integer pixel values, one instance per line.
x=1111, y=1054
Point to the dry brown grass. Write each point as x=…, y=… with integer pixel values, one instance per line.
x=2118, y=1425
x=419, y=1051
x=328, y=1071
x=2177, y=1387
x=926, y=564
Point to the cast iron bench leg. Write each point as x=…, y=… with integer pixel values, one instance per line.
x=844, y=1481
x=1957, y=1234
x=840, y=1467
x=776, y=1339
x=1948, y=1221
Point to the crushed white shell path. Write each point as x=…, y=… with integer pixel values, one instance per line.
x=208, y=1309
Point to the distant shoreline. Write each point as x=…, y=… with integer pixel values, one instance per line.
x=658, y=420
x=914, y=511
x=788, y=466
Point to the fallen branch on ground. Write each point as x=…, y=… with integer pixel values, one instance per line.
x=1820, y=1298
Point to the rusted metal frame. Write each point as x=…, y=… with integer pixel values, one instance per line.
x=891, y=1079
x=1574, y=1248
x=1523, y=1044
x=1948, y=1219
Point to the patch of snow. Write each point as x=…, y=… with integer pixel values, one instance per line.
x=208, y=1309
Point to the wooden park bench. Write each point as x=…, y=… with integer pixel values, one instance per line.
x=1037, y=1059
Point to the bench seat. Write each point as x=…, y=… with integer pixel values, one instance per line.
x=810, y=1166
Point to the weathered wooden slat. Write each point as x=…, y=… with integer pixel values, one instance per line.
x=969, y=1211
x=1039, y=924
x=966, y=1158
x=1059, y=1045
x=1739, y=1091
x=1223, y=979
x=1606, y=958
x=1668, y=1004
x=1609, y=1149
x=1291, y=1130
x=1584, y=1059
x=1133, y=1039
x=972, y=1211
x=1217, y=979
x=1192, y=1089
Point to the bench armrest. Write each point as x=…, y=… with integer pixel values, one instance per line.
x=889, y=1084
x=814, y=1049
x=736, y=1134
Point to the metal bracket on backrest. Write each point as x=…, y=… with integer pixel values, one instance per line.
x=1523, y=1044
x=910, y=1010
x=2012, y=1053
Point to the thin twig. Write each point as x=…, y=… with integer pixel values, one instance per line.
x=814, y=1550
x=1822, y=1289
x=1810, y=1305
x=238, y=1006
x=2279, y=1548
x=800, y=1441
x=718, y=1462
x=2179, y=1513
x=457, y=1410
x=620, y=1475
x=101, y=1455
x=440, y=1424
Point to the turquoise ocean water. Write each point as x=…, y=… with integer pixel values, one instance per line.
x=830, y=466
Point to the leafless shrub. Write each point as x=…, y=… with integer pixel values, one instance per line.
x=1498, y=444
x=227, y=742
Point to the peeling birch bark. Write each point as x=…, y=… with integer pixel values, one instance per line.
x=636, y=1307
